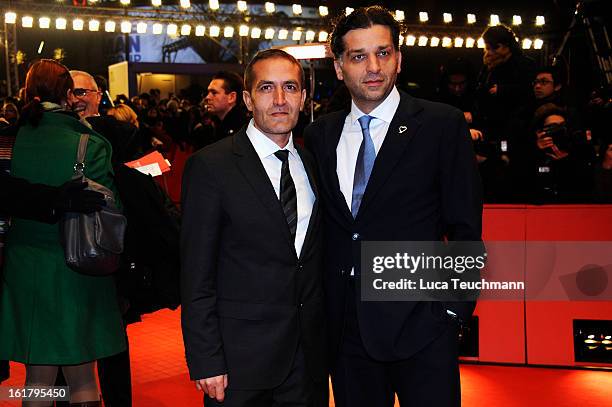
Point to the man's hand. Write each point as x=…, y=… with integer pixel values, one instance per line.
x=468, y=117
x=73, y=197
x=476, y=134
x=493, y=90
x=546, y=143
x=213, y=386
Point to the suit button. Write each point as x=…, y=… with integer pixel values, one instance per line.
x=356, y=236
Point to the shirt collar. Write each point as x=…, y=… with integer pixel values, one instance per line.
x=384, y=111
x=264, y=147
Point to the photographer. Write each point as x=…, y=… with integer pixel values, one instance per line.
x=563, y=159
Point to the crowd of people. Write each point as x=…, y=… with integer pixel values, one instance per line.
x=530, y=143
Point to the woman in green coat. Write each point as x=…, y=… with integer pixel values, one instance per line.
x=51, y=316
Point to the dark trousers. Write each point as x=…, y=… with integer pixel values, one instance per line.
x=297, y=390
x=429, y=378
x=115, y=379
x=4, y=370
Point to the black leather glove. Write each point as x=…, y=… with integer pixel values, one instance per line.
x=73, y=197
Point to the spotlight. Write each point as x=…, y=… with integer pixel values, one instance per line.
x=228, y=31
x=323, y=11
x=156, y=3
x=538, y=43
x=27, y=21
x=458, y=42
x=124, y=2
x=214, y=31
x=283, y=34
x=448, y=17
x=185, y=29
x=434, y=41
x=517, y=20
x=60, y=23
x=185, y=3
x=172, y=29
x=422, y=41
x=410, y=40
x=400, y=15
x=213, y=4
x=348, y=10
x=243, y=30
x=494, y=20
x=471, y=18
x=94, y=25
x=110, y=26
x=255, y=32
x=323, y=36
x=10, y=17
x=297, y=9
x=423, y=17
x=200, y=30
x=297, y=35
x=469, y=42
x=126, y=27
x=527, y=43
x=78, y=24
x=242, y=6
x=310, y=35
x=540, y=21
x=446, y=42
x=480, y=43
x=141, y=28
x=269, y=33
x=157, y=28
x=270, y=7
x=44, y=22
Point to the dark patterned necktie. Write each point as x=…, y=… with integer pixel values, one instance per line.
x=364, y=164
x=288, y=196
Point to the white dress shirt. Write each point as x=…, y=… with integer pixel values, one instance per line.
x=352, y=136
x=265, y=149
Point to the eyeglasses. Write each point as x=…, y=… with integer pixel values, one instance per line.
x=541, y=82
x=80, y=92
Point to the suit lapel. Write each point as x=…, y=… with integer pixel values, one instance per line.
x=401, y=130
x=309, y=167
x=253, y=170
x=332, y=137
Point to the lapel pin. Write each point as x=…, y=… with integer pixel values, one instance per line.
x=402, y=129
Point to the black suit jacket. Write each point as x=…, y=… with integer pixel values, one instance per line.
x=424, y=186
x=247, y=298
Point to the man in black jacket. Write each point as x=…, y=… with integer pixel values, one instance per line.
x=393, y=168
x=224, y=102
x=251, y=284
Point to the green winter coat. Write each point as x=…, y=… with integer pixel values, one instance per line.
x=50, y=314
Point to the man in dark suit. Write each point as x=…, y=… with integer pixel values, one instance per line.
x=393, y=168
x=251, y=282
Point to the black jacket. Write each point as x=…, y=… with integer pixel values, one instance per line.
x=424, y=186
x=247, y=298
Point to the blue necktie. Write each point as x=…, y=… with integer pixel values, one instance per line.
x=364, y=165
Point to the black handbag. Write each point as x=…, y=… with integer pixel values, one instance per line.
x=93, y=243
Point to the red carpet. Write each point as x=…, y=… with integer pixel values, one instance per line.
x=160, y=377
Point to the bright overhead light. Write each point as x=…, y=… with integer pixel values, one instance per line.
x=297, y=9
x=243, y=30
x=494, y=20
x=423, y=16
x=269, y=33
x=156, y=3
x=141, y=28
x=10, y=17
x=94, y=25
x=538, y=43
x=172, y=29
x=410, y=40
x=469, y=42
x=400, y=15
x=270, y=7
x=447, y=17
x=214, y=31
x=185, y=3
x=213, y=4
x=447, y=42
x=540, y=21
x=458, y=42
x=27, y=21
x=323, y=36
x=527, y=43
x=125, y=2
x=422, y=41
x=242, y=6
x=310, y=35
x=126, y=27
x=481, y=42
x=471, y=18
x=297, y=35
x=434, y=41
x=200, y=30
x=228, y=32
x=110, y=26
x=44, y=22
x=185, y=29
x=348, y=10
x=78, y=24
x=323, y=11
x=283, y=34
x=158, y=28
x=60, y=23
x=517, y=20
x=255, y=32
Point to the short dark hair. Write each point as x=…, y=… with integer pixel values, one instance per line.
x=268, y=54
x=232, y=82
x=554, y=71
x=363, y=17
x=501, y=34
x=546, y=110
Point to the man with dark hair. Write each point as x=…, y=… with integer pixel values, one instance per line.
x=251, y=283
x=223, y=102
x=394, y=168
x=547, y=86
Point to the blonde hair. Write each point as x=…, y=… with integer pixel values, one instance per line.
x=124, y=113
